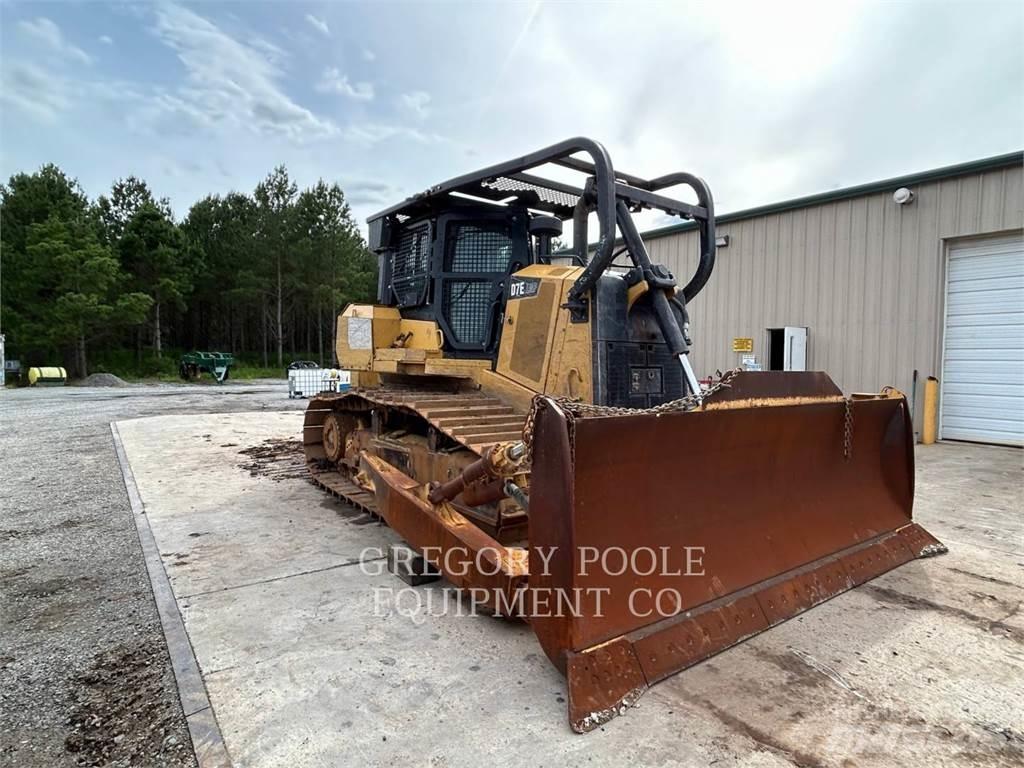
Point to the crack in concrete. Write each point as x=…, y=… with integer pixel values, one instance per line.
x=280, y=578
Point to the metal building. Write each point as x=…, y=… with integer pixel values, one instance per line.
x=873, y=284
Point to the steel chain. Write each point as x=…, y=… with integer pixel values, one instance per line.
x=575, y=409
x=848, y=428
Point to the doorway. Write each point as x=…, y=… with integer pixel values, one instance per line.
x=787, y=349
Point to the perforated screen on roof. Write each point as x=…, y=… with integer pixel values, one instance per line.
x=544, y=194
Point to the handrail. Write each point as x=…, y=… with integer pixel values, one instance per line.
x=706, y=264
x=704, y=216
x=602, y=191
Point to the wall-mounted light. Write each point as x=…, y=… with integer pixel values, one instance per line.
x=722, y=241
x=902, y=196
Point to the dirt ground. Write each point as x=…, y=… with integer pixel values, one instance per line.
x=84, y=674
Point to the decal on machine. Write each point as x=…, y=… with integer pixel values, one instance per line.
x=523, y=287
x=360, y=333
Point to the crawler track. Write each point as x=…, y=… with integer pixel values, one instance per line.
x=452, y=422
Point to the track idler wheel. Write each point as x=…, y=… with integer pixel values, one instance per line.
x=334, y=438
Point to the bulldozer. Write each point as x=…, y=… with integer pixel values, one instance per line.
x=527, y=418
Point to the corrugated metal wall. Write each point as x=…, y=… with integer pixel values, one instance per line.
x=864, y=275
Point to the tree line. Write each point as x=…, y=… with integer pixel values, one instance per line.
x=259, y=275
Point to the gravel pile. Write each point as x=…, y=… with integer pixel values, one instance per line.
x=102, y=380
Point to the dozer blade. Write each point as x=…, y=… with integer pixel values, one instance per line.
x=680, y=533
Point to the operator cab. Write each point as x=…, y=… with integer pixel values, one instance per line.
x=453, y=267
x=447, y=256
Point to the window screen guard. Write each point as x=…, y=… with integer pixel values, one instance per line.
x=477, y=257
x=410, y=267
x=479, y=248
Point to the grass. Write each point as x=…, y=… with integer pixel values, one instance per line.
x=237, y=373
x=125, y=364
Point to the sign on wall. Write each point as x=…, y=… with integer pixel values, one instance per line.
x=742, y=345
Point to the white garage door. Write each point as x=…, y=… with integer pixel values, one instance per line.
x=982, y=397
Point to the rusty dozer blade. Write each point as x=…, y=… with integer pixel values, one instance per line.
x=681, y=533
x=658, y=538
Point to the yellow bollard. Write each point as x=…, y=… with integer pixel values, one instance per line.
x=930, y=427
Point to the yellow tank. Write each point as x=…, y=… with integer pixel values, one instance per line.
x=47, y=377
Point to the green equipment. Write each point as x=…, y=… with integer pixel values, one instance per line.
x=217, y=364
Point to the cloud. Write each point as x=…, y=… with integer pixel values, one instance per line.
x=820, y=112
x=332, y=81
x=369, y=133
x=46, y=94
x=106, y=39
x=230, y=82
x=45, y=31
x=369, y=192
x=275, y=54
x=415, y=103
x=36, y=91
x=320, y=24
x=176, y=167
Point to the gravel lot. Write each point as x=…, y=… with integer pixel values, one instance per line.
x=84, y=674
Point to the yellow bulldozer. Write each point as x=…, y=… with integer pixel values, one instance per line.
x=530, y=423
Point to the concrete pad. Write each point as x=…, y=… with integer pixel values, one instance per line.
x=306, y=659
x=207, y=512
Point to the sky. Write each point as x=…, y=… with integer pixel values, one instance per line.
x=765, y=101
